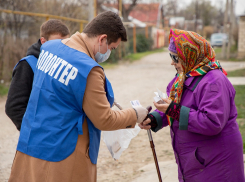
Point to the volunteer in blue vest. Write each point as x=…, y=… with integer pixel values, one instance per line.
x=70, y=104
x=23, y=73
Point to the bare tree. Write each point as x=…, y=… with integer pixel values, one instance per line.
x=170, y=8
x=13, y=44
x=16, y=22
x=202, y=9
x=126, y=10
x=225, y=29
x=126, y=7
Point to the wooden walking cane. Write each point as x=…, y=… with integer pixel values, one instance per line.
x=149, y=108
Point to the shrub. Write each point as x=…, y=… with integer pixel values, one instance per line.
x=142, y=43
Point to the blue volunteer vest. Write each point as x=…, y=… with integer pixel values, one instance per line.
x=32, y=61
x=54, y=115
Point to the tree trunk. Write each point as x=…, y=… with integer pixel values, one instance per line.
x=126, y=12
x=225, y=28
x=2, y=49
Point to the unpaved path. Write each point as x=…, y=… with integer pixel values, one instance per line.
x=130, y=81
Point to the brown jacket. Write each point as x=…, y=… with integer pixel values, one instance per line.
x=77, y=167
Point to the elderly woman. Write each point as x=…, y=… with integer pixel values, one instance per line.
x=201, y=113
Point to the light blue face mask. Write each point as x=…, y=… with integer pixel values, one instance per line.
x=100, y=58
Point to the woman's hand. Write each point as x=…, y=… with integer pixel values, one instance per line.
x=163, y=107
x=145, y=124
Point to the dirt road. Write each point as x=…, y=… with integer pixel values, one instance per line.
x=130, y=81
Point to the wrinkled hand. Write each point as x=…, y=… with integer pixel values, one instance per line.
x=163, y=107
x=145, y=124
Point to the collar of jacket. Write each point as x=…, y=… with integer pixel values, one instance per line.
x=188, y=81
x=79, y=44
x=192, y=82
x=34, y=49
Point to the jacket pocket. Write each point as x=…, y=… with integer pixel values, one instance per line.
x=190, y=164
x=185, y=137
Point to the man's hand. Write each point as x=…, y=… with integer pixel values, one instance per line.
x=141, y=113
x=145, y=124
x=163, y=107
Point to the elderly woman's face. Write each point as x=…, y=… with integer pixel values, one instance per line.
x=175, y=62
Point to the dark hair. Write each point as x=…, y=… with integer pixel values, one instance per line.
x=108, y=23
x=53, y=26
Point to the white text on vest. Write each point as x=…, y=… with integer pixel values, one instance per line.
x=49, y=63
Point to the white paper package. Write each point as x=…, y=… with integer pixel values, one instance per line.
x=159, y=96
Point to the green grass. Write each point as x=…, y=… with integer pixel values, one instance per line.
x=240, y=104
x=3, y=90
x=106, y=65
x=137, y=56
x=217, y=50
x=241, y=123
x=240, y=100
x=236, y=73
x=233, y=53
x=236, y=60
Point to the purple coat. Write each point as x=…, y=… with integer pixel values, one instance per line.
x=206, y=140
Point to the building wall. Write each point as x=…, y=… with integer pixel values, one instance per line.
x=241, y=38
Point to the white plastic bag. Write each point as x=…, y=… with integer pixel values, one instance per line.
x=117, y=141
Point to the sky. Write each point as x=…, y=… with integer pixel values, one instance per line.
x=239, y=5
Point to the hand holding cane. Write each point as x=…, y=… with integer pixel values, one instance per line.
x=151, y=143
